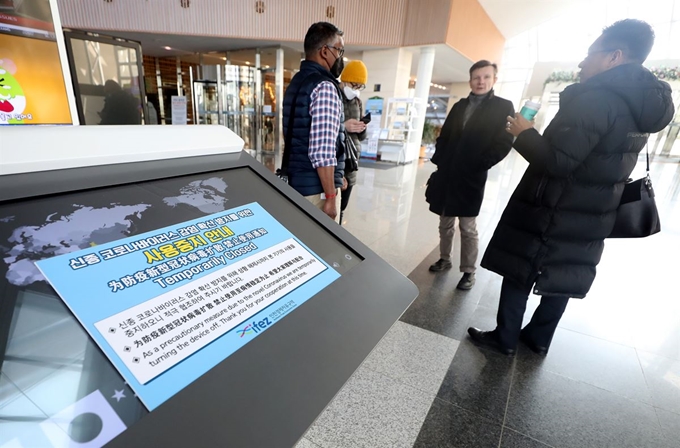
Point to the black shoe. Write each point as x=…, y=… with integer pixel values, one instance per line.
x=440, y=265
x=539, y=350
x=467, y=282
x=490, y=340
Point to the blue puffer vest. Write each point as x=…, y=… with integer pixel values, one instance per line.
x=301, y=174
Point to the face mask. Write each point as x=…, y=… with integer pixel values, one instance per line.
x=337, y=68
x=351, y=93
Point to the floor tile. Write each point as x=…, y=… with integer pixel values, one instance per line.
x=478, y=381
x=416, y=357
x=513, y=439
x=306, y=443
x=448, y=426
x=440, y=307
x=565, y=413
x=663, y=377
x=604, y=364
x=670, y=425
x=372, y=410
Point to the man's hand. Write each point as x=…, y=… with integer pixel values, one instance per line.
x=518, y=124
x=330, y=209
x=355, y=126
x=344, y=184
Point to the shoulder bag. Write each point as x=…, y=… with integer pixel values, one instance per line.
x=637, y=215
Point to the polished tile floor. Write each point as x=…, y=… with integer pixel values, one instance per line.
x=612, y=378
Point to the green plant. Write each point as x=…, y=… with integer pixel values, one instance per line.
x=430, y=132
x=666, y=73
x=663, y=73
x=562, y=76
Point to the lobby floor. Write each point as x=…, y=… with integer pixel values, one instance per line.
x=611, y=379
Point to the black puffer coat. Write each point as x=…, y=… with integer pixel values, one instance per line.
x=464, y=156
x=552, y=232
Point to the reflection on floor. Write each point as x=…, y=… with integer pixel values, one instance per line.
x=612, y=378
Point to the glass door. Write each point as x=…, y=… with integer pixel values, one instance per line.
x=238, y=96
x=205, y=98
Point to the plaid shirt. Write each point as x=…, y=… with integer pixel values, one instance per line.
x=327, y=113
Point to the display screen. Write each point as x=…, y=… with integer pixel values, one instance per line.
x=56, y=385
x=32, y=88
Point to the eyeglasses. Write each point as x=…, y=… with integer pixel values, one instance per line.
x=591, y=53
x=357, y=86
x=340, y=51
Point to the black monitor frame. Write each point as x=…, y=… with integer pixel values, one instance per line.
x=270, y=391
x=110, y=40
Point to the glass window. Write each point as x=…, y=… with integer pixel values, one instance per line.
x=108, y=84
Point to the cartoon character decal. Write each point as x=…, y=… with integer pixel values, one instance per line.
x=12, y=98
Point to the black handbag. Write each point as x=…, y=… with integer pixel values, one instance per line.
x=637, y=215
x=433, y=192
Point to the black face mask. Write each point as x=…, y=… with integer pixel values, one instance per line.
x=338, y=67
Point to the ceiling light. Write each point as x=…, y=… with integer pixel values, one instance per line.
x=224, y=58
x=247, y=62
x=167, y=48
x=345, y=59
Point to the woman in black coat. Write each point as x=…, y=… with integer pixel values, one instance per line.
x=551, y=234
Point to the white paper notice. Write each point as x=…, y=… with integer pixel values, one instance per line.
x=178, y=109
x=207, y=308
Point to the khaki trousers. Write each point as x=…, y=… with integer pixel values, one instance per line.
x=319, y=203
x=469, y=239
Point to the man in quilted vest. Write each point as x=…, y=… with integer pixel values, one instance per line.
x=313, y=120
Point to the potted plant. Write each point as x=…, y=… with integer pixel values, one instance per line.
x=430, y=134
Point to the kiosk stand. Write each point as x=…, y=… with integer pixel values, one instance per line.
x=160, y=287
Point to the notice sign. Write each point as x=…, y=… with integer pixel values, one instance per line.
x=254, y=289
x=167, y=306
x=178, y=109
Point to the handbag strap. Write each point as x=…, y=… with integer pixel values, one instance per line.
x=647, y=151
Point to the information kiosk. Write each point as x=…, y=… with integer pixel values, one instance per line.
x=160, y=287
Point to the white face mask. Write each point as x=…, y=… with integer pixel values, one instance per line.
x=351, y=93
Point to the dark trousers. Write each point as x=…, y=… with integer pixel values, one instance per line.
x=344, y=197
x=511, y=311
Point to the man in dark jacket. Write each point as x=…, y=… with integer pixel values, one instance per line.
x=472, y=140
x=120, y=107
x=551, y=235
x=312, y=120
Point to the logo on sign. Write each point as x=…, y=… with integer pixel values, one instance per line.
x=255, y=327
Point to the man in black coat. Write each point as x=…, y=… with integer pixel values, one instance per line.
x=472, y=140
x=551, y=235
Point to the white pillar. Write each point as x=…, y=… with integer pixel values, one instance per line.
x=258, y=103
x=425, y=66
x=391, y=69
x=278, y=144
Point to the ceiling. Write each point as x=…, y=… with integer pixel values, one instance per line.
x=512, y=17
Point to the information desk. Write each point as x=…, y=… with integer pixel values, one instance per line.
x=296, y=304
